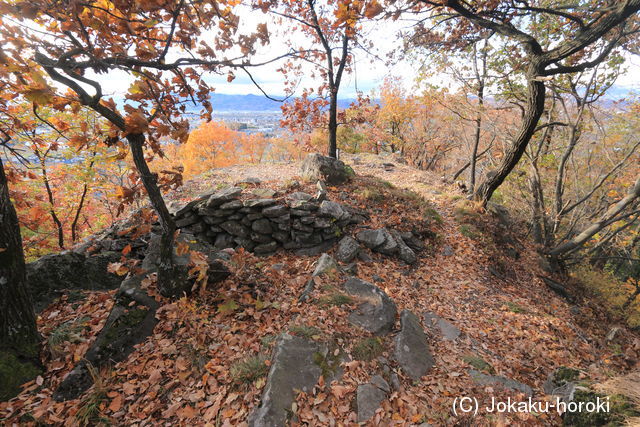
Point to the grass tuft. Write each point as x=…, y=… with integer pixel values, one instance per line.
x=335, y=299
x=249, y=369
x=305, y=331
x=90, y=412
x=367, y=349
x=515, y=308
x=66, y=332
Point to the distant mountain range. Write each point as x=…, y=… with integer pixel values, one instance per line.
x=223, y=102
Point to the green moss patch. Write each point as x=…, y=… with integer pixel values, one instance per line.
x=367, y=349
x=329, y=363
x=479, y=363
x=14, y=373
x=125, y=322
x=585, y=413
x=336, y=299
x=470, y=231
x=515, y=308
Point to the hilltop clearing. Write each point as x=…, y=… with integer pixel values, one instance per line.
x=376, y=338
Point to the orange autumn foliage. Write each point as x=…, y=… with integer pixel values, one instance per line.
x=214, y=145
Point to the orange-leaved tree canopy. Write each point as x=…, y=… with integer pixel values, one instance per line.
x=65, y=54
x=163, y=47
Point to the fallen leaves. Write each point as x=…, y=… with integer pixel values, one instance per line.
x=180, y=374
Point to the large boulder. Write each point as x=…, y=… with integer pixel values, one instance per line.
x=50, y=275
x=376, y=313
x=328, y=169
x=411, y=349
x=294, y=368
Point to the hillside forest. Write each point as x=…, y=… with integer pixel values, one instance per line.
x=504, y=168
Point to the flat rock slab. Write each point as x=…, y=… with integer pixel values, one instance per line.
x=371, y=238
x=411, y=349
x=486, y=379
x=368, y=400
x=223, y=196
x=377, y=312
x=293, y=369
x=441, y=326
x=315, y=250
x=264, y=193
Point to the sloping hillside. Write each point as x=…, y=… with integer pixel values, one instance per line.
x=494, y=327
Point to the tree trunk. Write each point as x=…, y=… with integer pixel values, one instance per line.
x=481, y=78
x=167, y=277
x=52, y=209
x=333, y=123
x=605, y=220
x=85, y=189
x=533, y=112
x=476, y=143
x=537, y=211
x=74, y=224
x=19, y=339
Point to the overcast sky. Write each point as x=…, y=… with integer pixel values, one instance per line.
x=368, y=73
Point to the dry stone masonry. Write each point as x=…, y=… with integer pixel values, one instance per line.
x=229, y=219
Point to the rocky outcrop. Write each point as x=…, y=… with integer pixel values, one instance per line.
x=132, y=317
x=298, y=221
x=50, y=275
x=293, y=369
x=131, y=320
x=376, y=313
x=411, y=349
x=318, y=167
x=326, y=265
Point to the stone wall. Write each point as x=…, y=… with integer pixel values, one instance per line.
x=261, y=221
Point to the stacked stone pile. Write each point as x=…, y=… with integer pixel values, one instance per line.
x=230, y=218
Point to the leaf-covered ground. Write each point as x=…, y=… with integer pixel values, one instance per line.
x=205, y=362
